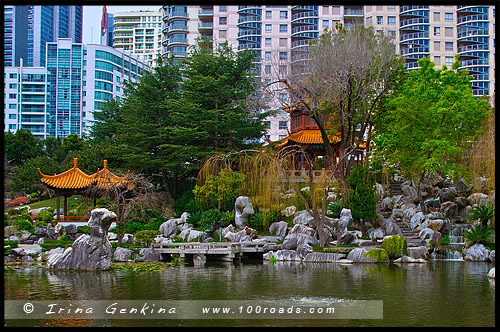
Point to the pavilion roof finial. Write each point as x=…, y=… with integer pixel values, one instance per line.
x=75, y=162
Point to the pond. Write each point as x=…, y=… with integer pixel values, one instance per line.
x=436, y=293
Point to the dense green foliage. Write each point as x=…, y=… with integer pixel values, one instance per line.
x=479, y=235
x=394, y=245
x=431, y=118
x=362, y=195
x=484, y=213
x=219, y=191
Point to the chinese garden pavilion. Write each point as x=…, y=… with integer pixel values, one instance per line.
x=305, y=132
x=76, y=182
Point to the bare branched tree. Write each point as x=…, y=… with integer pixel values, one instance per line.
x=129, y=194
x=341, y=85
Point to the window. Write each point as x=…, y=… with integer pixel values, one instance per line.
x=283, y=42
x=283, y=55
x=12, y=86
x=391, y=8
x=268, y=42
x=437, y=46
x=12, y=127
x=335, y=10
x=325, y=24
x=12, y=116
x=269, y=14
x=222, y=9
x=267, y=69
x=269, y=28
x=448, y=60
x=12, y=96
x=448, y=32
x=267, y=124
x=282, y=97
x=437, y=16
x=325, y=10
x=391, y=33
x=12, y=75
x=283, y=27
x=437, y=31
x=223, y=20
x=380, y=20
x=12, y=106
x=448, y=46
x=391, y=20
x=448, y=17
x=283, y=15
x=267, y=56
x=222, y=33
x=282, y=125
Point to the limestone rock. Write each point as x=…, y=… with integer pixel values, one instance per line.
x=417, y=220
x=296, y=240
x=323, y=257
x=303, y=218
x=122, y=254
x=169, y=228
x=356, y=256
x=88, y=252
x=289, y=211
x=243, y=209
x=128, y=238
x=279, y=228
x=420, y=252
x=148, y=255
x=491, y=273
x=283, y=255
x=477, y=253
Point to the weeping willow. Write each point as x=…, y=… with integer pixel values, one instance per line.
x=268, y=176
x=482, y=155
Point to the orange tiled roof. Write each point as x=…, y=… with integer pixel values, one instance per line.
x=311, y=136
x=105, y=178
x=73, y=178
x=308, y=136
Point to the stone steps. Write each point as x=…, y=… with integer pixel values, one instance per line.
x=412, y=239
x=395, y=188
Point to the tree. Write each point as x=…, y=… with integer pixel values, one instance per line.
x=220, y=83
x=430, y=120
x=362, y=196
x=26, y=178
x=21, y=146
x=341, y=88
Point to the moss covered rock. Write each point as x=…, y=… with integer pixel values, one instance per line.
x=379, y=254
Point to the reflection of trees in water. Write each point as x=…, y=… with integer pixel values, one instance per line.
x=91, y=285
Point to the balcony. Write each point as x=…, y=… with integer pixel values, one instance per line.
x=414, y=21
x=205, y=26
x=477, y=47
x=177, y=40
x=304, y=28
x=416, y=35
x=248, y=46
x=300, y=43
x=470, y=9
x=474, y=32
x=205, y=12
x=181, y=27
x=353, y=12
x=414, y=50
x=411, y=65
x=480, y=77
x=178, y=13
x=304, y=14
x=477, y=62
x=249, y=32
x=249, y=19
x=404, y=9
x=468, y=18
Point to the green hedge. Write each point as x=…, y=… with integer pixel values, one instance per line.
x=395, y=245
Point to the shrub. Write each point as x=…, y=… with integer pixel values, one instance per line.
x=444, y=240
x=479, y=235
x=362, y=194
x=256, y=221
x=8, y=246
x=379, y=254
x=146, y=237
x=22, y=223
x=209, y=219
x=45, y=216
x=83, y=229
x=395, y=245
x=52, y=244
x=483, y=213
x=194, y=218
x=333, y=209
x=221, y=190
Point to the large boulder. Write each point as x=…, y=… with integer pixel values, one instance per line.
x=91, y=251
x=390, y=227
x=243, y=210
x=294, y=241
x=148, y=255
x=283, y=255
x=303, y=218
x=449, y=209
x=169, y=228
x=420, y=252
x=358, y=255
x=323, y=257
x=122, y=254
x=417, y=219
x=279, y=228
x=477, y=253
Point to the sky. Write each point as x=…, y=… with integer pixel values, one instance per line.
x=92, y=19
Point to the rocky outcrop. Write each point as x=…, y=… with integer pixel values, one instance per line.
x=88, y=252
x=243, y=209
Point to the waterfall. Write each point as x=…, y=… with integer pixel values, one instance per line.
x=453, y=250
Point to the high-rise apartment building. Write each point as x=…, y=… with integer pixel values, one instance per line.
x=59, y=100
x=47, y=24
x=139, y=33
x=279, y=36
x=15, y=34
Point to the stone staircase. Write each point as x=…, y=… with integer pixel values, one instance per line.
x=395, y=188
x=412, y=239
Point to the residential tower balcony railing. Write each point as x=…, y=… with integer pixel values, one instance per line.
x=249, y=45
x=414, y=21
x=413, y=50
x=356, y=12
x=304, y=14
x=475, y=47
x=304, y=28
x=249, y=19
x=473, y=32
x=404, y=9
x=476, y=62
x=480, y=77
x=296, y=8
x=300, y=42
x=411, y=65
x=206, y=25
x=468, y=18
x=415, y=35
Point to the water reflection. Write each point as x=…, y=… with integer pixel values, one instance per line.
x=437, y=293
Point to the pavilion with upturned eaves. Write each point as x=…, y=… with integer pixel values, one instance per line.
x=76, y=182
x=305, y=132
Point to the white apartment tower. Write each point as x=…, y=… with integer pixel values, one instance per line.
x=139, y=32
